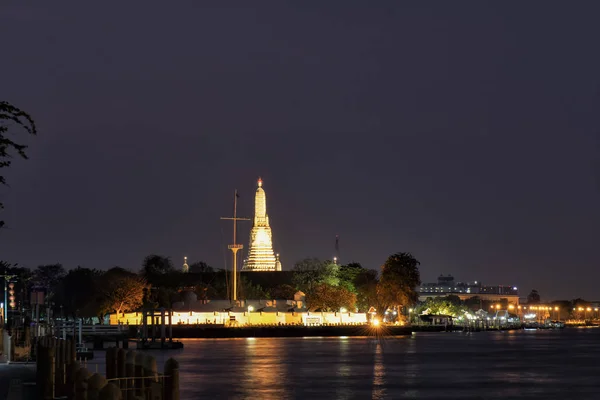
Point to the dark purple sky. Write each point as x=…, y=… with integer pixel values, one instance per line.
x=468, y=136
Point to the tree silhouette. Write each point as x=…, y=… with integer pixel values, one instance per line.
x=533, y=297
x=399, y=279
x=121, y=290
x=155, y=267
x=11, y=116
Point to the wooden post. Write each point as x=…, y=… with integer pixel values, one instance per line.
x=72, y=369
x=110, y=391
x=50, y=373
x=144, y=326
x=60, y=367
x=121, y=373
x=171, y=380
x=41, y=365
x=153, y=317
x=95, y=383
x=72, y=351
x=130, y=373
x=170, y=325
x=139, y=373
x=162, y=327
x=81, y=385
x=111, y=363
x=150, y=369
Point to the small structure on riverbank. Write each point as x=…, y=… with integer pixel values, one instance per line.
x=149, y=332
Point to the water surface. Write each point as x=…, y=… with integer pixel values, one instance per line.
x=488, y=365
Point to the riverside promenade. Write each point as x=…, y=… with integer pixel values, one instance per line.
x=14, y=378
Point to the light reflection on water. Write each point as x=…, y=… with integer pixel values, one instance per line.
x=492, y=365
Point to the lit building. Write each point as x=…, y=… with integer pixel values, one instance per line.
x=260, y=255
x=446, y=285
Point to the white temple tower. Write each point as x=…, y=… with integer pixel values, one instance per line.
x=260, y=255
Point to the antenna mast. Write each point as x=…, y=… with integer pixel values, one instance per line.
x=235, y=247
x=337, y=248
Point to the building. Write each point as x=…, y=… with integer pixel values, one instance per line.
x=260, y=254
x=273, y=312
x=446, y=285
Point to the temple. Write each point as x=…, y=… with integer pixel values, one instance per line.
x=260, y=255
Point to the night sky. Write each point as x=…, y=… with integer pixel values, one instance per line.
x=467, y=135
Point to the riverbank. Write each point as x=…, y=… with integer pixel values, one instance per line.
x=219, y=331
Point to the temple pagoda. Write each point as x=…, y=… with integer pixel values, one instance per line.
x=260, y=255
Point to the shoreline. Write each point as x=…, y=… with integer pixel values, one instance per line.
x=221, y=332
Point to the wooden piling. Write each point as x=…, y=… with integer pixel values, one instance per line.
x=171, y=380
x=121, y=372
x=72, y=369
x=130, y=373
x=139, y=374
x=49, y=373
x=61, y=370
x=95, y=383
x=150, y=370
x=110, y=391
x=111, y=363
x=81, y=385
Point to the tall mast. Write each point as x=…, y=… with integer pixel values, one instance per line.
x=235, y=247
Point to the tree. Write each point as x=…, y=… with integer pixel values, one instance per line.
x=282, y=291
x=449, y=305
x=122, y=291
x=366, y=290
x=49, y=276
x=347, y=275
x=204, y=291
x=326, y=297
x=248, y=291
x=155, y=267
x=330, y=273
x=77, y=293
x=533, y=297
x=398, y=283
x=12, y=116
x=311, y=271
x=474, y=303
x=200, y=267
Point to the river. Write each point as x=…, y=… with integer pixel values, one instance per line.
x=486, y=365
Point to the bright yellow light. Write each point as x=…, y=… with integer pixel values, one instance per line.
x=555, y=308
x=250, y=308
x=497, y=306
x=589, y=309
x=375, y=322
x=511, y=307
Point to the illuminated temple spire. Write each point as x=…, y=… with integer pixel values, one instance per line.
x=261, y=256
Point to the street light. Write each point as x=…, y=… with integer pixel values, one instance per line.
x=6, y=303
